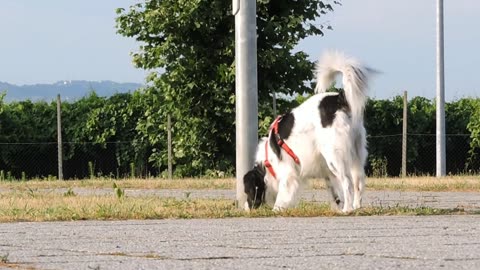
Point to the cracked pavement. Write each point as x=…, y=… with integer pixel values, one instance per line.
x=376, y=242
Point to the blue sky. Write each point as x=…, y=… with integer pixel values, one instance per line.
x=399, y=38
x=53, y=40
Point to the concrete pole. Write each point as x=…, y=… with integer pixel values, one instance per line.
x=59, y=138
x=245, y=90
x=440, y=100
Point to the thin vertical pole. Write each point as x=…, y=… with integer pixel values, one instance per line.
x=440, y=100
x=245, y=91
x=59, y=138
x=404, y=135
x=274, y=97
x=169, y=143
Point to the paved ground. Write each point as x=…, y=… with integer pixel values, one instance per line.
x=433, y=242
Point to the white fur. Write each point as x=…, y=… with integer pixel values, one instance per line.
x=337, y=152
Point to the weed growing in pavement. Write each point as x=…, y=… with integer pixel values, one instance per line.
x=118, y=191
x=69, y=193
x=4, y=258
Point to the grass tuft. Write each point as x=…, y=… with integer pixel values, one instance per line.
x=4, y=258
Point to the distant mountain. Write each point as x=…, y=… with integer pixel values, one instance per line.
x=69, y=90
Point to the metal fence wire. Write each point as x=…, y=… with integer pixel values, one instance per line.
x=89, y=160
x=81, y=160
x=385, y=155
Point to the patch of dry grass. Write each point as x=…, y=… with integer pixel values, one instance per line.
x=5, y=264
x=450, y=183
x=19, y=206
x=425, y=183
x=38, y=206
x=152, y=183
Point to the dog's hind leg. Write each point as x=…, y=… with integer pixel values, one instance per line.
x=358, y=177
x=358, y=171
x=336, y=191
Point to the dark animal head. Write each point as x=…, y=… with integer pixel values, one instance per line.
x=254, y=184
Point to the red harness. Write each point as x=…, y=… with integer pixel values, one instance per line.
x=281, y=143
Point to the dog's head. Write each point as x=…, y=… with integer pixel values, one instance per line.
x=254, y=185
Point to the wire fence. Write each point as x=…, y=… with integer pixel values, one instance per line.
x=385, y=155
x=89, y=160
x=22, y=161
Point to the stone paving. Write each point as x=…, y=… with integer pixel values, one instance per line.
x=376, y=242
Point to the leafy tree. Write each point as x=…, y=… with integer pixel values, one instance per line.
x=2, y=96
x=383, y=118
x=458, y=114
x=193, y=43
x=27, y=130
x=113, y=126
x=474, y=128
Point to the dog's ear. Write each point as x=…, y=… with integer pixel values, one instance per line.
x=249, y=187
x=254, y=186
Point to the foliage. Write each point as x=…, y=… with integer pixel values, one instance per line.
x=473, y=127
x=2, y=96
x=121, y=135
x=33, y=123
x=193, y=43
x=384, y=126
x=119, y=192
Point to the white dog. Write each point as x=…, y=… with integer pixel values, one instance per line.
x=322, y=138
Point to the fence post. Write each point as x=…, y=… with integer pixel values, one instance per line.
x=59, y=138
x=274, y=96
x=404, y=135
x=169, y=138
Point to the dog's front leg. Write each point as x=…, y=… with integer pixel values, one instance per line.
x=287, y=193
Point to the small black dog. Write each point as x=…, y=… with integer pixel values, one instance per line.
x=254, y=185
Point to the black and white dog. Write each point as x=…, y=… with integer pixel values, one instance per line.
x=322, y=138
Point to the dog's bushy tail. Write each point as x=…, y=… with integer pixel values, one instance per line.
x=355, y=80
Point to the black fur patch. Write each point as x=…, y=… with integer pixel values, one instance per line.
x=285, y=126
x=254, y=186
x=330, y=105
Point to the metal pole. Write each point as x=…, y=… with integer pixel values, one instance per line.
x=169, y=143
x=440, y=112
x=59, y=138
x=404, y=136
x=245, y=90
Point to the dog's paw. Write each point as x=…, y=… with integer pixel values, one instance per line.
x=246, y=207
x=347, y=209
x=357, y=205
